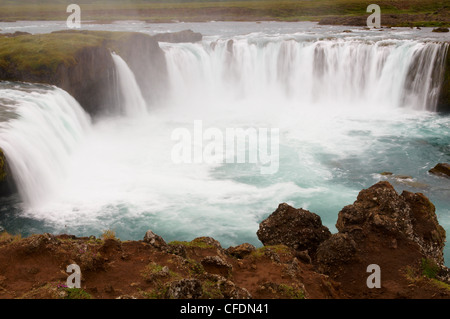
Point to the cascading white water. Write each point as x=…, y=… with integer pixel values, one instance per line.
x=347, y=109
x=336, y=73
x=39, y=139
x=132, y=104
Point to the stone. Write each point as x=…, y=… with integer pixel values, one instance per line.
x=441, y=169
x=216, y=265
x=184, y=289
x=296, y=228
x=241, y=251
x=154, y=240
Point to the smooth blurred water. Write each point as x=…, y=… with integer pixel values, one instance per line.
x=336, y=137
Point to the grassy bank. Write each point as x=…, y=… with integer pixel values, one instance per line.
x=34, y=54
x=397, y=12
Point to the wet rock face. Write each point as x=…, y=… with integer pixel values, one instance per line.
x=7, y=186
x=441, y=169
x=427, y=232
x=295, y=228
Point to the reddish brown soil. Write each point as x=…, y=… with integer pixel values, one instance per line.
x=33, y=267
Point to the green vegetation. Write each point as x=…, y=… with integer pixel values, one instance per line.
x=76, y=293
x=109, y=234
x=154, y=271
x=8, y=238
x=157, y=293
x=38, y=55
x=211, y=290
x=194, y=267
x=191, y=244
x=291, y=292
x=429, y=268
x=267, y=250
x=420, y=12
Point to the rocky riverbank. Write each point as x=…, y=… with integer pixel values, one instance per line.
x=300, y=258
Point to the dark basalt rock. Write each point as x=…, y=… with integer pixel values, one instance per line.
x=295, y=228
x=241, y=251
x=155, y=240
x=441, y=169
x=184, y=289
x=440, y=29
x=7, y=185
x=407, y=217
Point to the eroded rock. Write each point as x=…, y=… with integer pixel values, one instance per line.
x=295, y=228
x=441, y=169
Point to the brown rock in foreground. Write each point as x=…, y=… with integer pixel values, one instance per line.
x=441, y=169
x=300, y=259
x=295, y=228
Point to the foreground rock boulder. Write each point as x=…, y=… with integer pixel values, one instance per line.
x=379, y=210
x=441, y=169
x=295, y=228
x=400, y=233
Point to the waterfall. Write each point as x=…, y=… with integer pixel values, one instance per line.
x=133, y=103
x=332, y=73
x=38, y=134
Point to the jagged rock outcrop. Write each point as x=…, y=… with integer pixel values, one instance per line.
x=397, y=232
x=380, y=210
x=155, y=240
x=295, y=228
x=441, y=169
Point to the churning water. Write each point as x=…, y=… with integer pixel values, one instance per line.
x=347, y=109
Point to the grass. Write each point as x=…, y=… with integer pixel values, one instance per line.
x=429, y=268
x=154, y=271
x=8, y=238
x=263, y=251
x=163, y=11
x=291, y=292
x=192, y=244
x=40, y=55
x=109, y=234
x=76, y=293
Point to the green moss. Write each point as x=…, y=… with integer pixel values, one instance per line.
x=291, y=292
x=157, y=293
x=211, y=290
x=40, y=55
x=194, y=267
x=76, y=293
x=440, y=284
x=192, y=244
x=3, y=172
x=8, y=238
x=154, y=271
x=262, y=251
x=429, y=268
